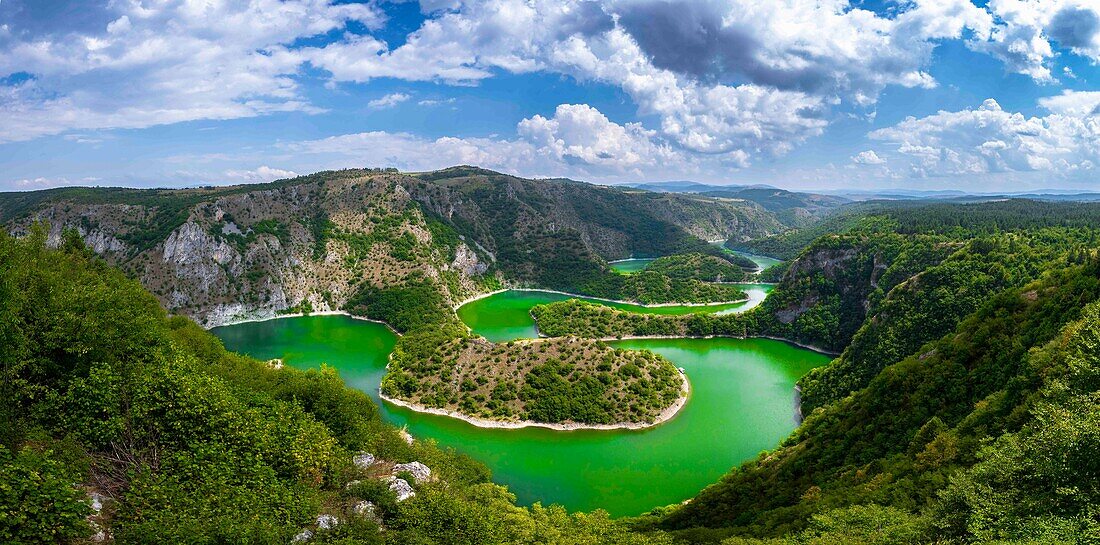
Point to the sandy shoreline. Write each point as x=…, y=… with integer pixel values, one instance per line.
x=665, y=415
x=476, y=297
x=302, y=314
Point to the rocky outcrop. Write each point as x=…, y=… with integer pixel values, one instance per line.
x=401, y=488
x=327, y=522
x=419, y=471
x=366, y=510
x=467, y=262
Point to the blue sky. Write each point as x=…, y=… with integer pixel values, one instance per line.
x=805, y=94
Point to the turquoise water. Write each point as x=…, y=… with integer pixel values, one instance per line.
x=742, y=402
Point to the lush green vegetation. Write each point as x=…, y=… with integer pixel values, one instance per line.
x=552, y=381
x=978, y=436
x=964, y=408
x=595, y=321
x=185, y=442
x=706, y=268
x=415, y=305
x=965, y=404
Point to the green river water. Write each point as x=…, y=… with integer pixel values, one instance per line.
x=632, y=265
x=742, y=402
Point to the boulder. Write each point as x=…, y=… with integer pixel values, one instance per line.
x=327, y=522
x=419, y=471
x=302, y=537
x=363, y=460
x=402, y=488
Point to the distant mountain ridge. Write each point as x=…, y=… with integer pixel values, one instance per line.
x=221, y=254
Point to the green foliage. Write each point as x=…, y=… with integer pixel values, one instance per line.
x=551, y=397
x=883, y=444
x=320, y=229
x=189, y=442
x=414, y=305
x=38, y=501
x=595, y=321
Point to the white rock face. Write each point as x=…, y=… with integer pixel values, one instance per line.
x=467, y=262
x=363, y=460
x=403, y=489
x=419, y=471
x=193, y=254
x=191, y=245
x=102, y=243
x=302, y=537
x=95, y=501
x=99, y=533
x=327, y=522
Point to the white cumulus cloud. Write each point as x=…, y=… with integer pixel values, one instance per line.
x=990, y=140
x=260, y=174
x=388, y=101
x=868, y=157
x=165, y=62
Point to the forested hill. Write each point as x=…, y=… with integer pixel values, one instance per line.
x=988, y=434
x=964, y=406
x=315, y=242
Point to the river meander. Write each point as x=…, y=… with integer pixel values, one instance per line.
x=742, y=402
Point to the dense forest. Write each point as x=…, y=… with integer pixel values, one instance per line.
x=960, y=403
x=963, y=407
x=706, y=268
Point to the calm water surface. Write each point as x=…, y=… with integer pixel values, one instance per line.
x=742, y=402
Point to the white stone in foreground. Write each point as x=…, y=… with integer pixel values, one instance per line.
x=402, y=488
x=364, y=509
x=363, y=460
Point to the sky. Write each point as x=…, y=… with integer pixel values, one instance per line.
x=981, y=96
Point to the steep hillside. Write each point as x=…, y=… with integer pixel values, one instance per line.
x=919, y=437
x=885, y=286
x=313, y=243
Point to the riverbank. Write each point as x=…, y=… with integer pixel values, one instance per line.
x=664, y=416
x=812, y=348
x=303, y=314
x=605, y=300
